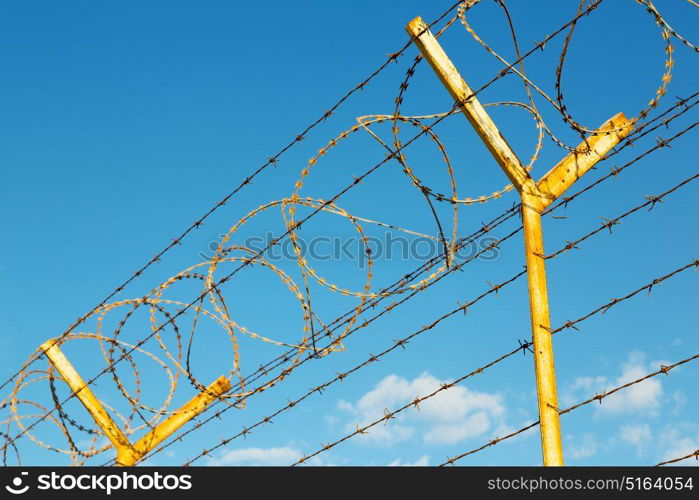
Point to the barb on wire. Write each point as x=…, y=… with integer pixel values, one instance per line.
x=109, y=320
x=569, y=324
x=522, y=346
x=608, y=224
x=663, y=369
x=641, y=130
x=485, y=228
x=616, y=301
x=271, y=161
x=400, y=343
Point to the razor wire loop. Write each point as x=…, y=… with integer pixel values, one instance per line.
x=114, y=350
x=271, y=160
x=523, y=346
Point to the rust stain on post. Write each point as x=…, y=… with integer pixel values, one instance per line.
x=186, y=413
x=535, y=198
x=128, y=454
x=471, y=107
x=84, y=394
x=557, y=180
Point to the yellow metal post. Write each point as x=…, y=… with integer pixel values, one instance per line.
x=557, y=180
x=183, y=415
x=547, y=395
x=535, y=198
x=128, y=454
x=470, y=106
x=85, y=395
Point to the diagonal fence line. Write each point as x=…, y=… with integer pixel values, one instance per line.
x=298, y=224
x=651, y=201
x=363, y=325
x=597, y=397
x=663, y=145
x=523, y=346
x=613, y=302
x=485, y=229
x=415, y=403
x=264, y=371
x=694, y=454
x=271, y=161
x=218, y=414
x=402, y=342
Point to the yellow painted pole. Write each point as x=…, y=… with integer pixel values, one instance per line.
x=127, y=454
x=547, y=397
x=557, y=180
x=471, y=107
x=186, y=413
x=535, y=198
x=532, y=203
x=85, y=395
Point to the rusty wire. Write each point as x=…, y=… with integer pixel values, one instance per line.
x=650, y=202
x=694, y=454
x=114, y=351
x=495, y=244
x=247, y=430
x=398, y=343
x=522, y=346
x=271, y=161
x=663, y=369
x=214, y=288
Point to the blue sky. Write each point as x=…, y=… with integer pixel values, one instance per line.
x=123, y=123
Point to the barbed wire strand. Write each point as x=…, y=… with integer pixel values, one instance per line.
x=403, y=342
x=271, y=161
x=383, y=294
x=214, y=293
x=523, y=346
x=296, y=225
x=664, y=369
x=650, y=201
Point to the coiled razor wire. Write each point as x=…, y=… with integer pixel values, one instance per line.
x=174, y=346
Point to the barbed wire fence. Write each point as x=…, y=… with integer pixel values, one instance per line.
x=486, y=228
x=321, y=339
x=522, y=347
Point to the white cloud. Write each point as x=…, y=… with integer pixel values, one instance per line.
x=679, y=444
x=423, y=461
x=257, y=456
x=454, y=415
x=680, y=400
x=637, y=435
x=587, y=383
x=681, y=448
x=643, y=397
x=449, y=433
x=586, y=449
